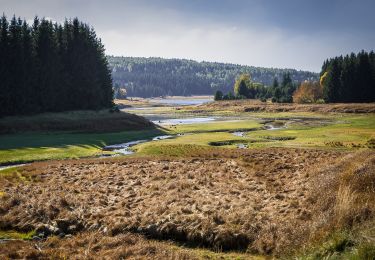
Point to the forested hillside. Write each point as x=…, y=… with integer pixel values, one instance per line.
x=350, y=78
x=150, y=77
x=49, y=67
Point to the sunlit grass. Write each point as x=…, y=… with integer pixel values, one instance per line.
x=36, y=147
x=343, y=133
x=217, y=126
x=11, y=234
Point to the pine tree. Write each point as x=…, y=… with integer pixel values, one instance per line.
x=15, y=66
x=332, y=84
x=218, y=95
x=364, y=77
x=275, y=83
x=50, y=67
x=347, y=79
x=5, y=102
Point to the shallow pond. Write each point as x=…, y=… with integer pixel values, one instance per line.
x=181, y=101
x=239, y=134
x=181, y=121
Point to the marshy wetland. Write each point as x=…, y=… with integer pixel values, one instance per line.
x=209, y=181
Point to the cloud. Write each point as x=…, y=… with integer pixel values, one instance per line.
x=271, y=47
x=292, y=33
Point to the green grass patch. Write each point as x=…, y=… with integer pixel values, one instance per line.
x=340, y=245
x=174, y=150
x=217, y=126
x=350, y=132
x=11, y=234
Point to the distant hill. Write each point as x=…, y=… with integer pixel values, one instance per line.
x=151, y=77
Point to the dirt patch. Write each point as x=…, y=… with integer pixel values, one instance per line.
x=227, y=203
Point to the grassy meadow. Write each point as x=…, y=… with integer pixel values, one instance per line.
x=304, y=190
x=324, y=132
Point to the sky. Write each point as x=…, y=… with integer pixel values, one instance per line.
x=297, y=34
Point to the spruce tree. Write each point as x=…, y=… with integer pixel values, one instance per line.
x=5, y=54
x=332, y=85
x=50, y=67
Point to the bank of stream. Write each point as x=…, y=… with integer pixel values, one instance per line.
x=126, y=148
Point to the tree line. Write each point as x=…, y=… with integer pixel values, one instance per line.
x=150, y=77
x=350, y=78
x=343, y=79
x=51, y=67
x=246, y=88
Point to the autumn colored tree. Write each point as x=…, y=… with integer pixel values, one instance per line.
x=308, y=92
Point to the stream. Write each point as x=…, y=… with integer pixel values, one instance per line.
x=125, y=148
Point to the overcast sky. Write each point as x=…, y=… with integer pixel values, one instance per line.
x=270, y=33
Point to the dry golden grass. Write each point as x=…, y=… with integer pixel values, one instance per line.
x=93, y=245
x=267, y=201
x=344, y=193
x=257, y=106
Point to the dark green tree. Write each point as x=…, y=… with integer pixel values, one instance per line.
x=5, y=60
x=218, y=95
x=350, y=78
x=331, y=89
x=52, y=67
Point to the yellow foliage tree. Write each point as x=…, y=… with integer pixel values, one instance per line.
x=308, y=92
x=323, y=78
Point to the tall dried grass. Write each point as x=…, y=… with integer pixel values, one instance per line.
x=268, y=201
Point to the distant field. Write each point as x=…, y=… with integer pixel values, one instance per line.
x=257, y=106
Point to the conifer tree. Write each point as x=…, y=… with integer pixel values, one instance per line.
x=51, y=67
x=5, y=101
x=332, y=85
x=350, y=78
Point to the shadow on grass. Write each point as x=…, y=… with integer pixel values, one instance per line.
x=21, y=148
x=39, y=140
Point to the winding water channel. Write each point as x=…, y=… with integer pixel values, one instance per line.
x=178, y=119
